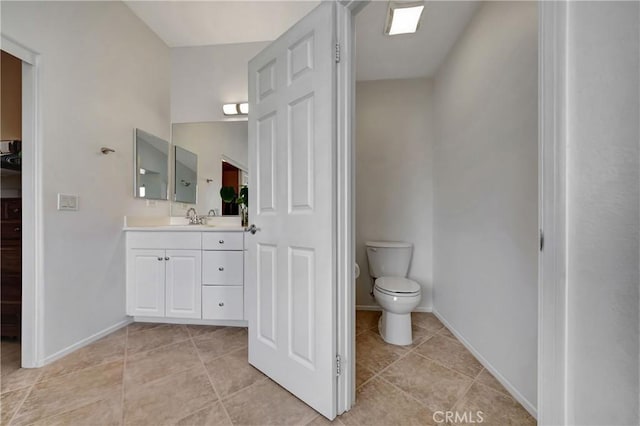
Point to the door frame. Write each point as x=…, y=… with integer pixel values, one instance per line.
x=552, y=212
x=345, y=201
x=32, y=226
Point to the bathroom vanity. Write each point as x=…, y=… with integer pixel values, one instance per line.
x=185, y=274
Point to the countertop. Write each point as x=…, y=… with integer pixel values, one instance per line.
x=184, y=228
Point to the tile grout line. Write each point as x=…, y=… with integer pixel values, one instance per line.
x=215, y=390
x=473, y=378
x=124, y=373
x=100, y=364
x=379, y=373
x=402, y=391
x=15, y=413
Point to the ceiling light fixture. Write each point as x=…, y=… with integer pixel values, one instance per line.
x=403, y=17
x=235, y=109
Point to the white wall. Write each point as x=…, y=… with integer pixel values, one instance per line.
x=205, y=78
x=394, y=175
x=211, y=141
x=485, y=191
x=103, y=72
x=603, y=212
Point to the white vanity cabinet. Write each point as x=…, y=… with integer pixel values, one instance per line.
x=185, y=275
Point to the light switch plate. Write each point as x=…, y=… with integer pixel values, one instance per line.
x=67, y=202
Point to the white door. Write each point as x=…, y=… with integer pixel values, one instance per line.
x=183, y=283
x=291, y=278
x=146, y=283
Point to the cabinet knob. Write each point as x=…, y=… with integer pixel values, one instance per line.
x=221, y=241
x=166, y=258
x=16, y=229
x=221, y=269
x=221, y=304
x=159, y=258
x=16, y=210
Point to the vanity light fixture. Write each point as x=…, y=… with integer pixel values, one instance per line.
x=236, y=109
x=403, y=17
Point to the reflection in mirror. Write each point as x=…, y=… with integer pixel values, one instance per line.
x=186, y=176
x=211, y=142
x=151, y=166
x=231, y=177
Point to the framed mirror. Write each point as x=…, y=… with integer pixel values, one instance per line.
x=151, y=174
x=186, y=176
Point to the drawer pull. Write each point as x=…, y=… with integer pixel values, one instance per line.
x=221, y=304
x=221, y=241
x=159, y=258
x=166, y=258
x=221, y=269
x=16, y=210
x=16, y=229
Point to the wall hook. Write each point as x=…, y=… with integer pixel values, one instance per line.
x=209, y=180
x=106, y=150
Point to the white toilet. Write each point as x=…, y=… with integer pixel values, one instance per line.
x=398, y=296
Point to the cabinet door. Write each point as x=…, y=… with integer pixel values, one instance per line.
x=145, y=283
x=184, y=281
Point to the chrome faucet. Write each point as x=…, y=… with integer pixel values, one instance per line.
x=192, y=215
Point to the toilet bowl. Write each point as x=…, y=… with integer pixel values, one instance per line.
x=397, y=296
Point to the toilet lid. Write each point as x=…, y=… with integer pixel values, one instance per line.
x=397, y=285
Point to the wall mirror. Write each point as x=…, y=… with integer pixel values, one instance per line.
x=151, y=166
x=186, y=176
x=212, y=142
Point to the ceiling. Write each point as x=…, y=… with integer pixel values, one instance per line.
x=200, y=23
x=183, y=23
x=382, y=57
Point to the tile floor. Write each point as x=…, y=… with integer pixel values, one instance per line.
x=149, y=374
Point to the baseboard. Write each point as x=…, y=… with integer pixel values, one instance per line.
x=86, y=341
x=378, y=308
x=507, y=385
x=368, y=308
x=223, y=323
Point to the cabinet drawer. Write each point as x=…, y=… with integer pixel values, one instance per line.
x=12, y=208
x=222, y=302
x=222, y=267
x=222, y=241
x=164, y=240
x=11, y=230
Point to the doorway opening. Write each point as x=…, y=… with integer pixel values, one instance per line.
x=443, y=183
x=11, y=201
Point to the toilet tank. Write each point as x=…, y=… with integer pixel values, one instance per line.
x=388, y=258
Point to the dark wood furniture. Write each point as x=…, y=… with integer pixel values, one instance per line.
x=11, y=267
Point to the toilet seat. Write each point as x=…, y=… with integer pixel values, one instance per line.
x=397, y=286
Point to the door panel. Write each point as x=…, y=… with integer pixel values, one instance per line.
x=290, y=272
x=183, y=283
x=146, y=283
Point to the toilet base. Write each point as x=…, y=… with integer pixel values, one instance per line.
x=395, y=328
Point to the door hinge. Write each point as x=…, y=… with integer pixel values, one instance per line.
x=338, y=365
x=541, y=240
x=337, y=52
